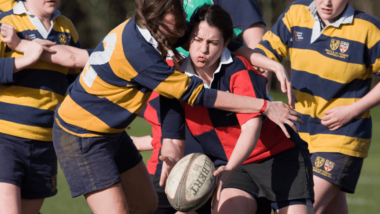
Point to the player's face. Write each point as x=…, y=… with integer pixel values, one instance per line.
x=42, y=7
x=329, y=10
x=206, y=46
x=169, y=20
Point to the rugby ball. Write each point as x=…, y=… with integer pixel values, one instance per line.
x=191, y=182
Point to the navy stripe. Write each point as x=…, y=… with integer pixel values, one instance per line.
x=110, y=113
x=280, y=29
x=212, y=146
x=26, y=115
x=374, y=52
x=358, y=128
x=302, y=2
x=317, y=86
x=42, y=79
x=268, y=46
x=367, y=17
x=6, y=13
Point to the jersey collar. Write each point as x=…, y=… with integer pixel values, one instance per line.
x=149, y=38
x=346, y=18
x=20, y=9
x=225, y=59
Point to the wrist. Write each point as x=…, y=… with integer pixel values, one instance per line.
x=264, y=107
x=22, y=45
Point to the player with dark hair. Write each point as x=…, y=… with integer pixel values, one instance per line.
x=334, y=52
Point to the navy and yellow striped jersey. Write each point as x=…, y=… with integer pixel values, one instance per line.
x=6, y=5
x=329, y=68
x=118, y=80
x=29, y=97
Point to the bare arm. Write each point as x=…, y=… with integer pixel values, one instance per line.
x=143, y=143
x=171, y=152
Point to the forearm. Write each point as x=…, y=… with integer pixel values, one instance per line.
x=173, y=148
x=246, y=143
x=236, y=103
x=253, y=35
x=369, y=101
x=20, y=63
x=143, y=143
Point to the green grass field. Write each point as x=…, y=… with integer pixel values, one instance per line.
x=365, y=200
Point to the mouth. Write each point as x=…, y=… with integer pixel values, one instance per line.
x=326, y=11
x=201, y=59
x=51, y=2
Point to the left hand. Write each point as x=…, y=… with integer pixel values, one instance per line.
x=167, y=166
x=337, y=117
x=286, y=85
x=224, y=175
x=9, y=36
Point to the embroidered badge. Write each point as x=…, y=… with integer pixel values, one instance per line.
x=298, y=36
x=329, y=165
x=62, y=39
x=334, y=44
x=319, y=161
x=344, y=46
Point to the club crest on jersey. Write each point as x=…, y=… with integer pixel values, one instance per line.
x=344, y=46
x=319, y=161
x=329, y=165
x=298, y=36
x=334, y=44
x=62, y=39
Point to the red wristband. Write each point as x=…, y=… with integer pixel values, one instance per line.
x=264, y=106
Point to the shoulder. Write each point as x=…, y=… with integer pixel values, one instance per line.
x=5, y=15
x=370, y=20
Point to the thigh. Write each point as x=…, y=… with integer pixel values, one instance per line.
x=235, y=201
x=138, y=190
x=337, y=205
x=10, y=198
x=31, y=206
x=325, y=192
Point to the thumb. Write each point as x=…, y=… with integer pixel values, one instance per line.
x=328, y=111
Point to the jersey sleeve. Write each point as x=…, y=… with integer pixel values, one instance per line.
x=6, y=64
x=275, y=43
x=244, y=13
x=173, y=84
x=248, y=83
x=172, y=118
x=374, y=51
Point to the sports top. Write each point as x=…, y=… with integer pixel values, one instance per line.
x=29, y=97
x=329, y=68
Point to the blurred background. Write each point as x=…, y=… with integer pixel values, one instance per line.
x=95, y=18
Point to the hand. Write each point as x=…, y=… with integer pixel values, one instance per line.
x=281, y=114
x=9, y=36
x=224, y=175
x=167, y=166
x=33, y=53
x=286, y=86
x=337, y=117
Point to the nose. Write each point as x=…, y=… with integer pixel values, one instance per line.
x=204, y=47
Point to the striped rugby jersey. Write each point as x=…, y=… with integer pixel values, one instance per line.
x=6, y=5
x=118, y=80
x=329, y=68
x=29, y=97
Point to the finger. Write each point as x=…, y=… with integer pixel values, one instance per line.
x=284, y=130
x=163, y=178
x=328, y=111
x=294, y=113
x=290, y=95
x=49, y=50
x=334, y=128
x=327, y=117
x=283, y=86
x=292, y=125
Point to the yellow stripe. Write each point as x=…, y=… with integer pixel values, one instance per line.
x=36, y=98
x=26, y=131
x=276, y=44
x=351, y=146
x=128, y=98
x=19, y=22
x=195, y=94
x=360, y=31
x=118, y=62
x=327, y=69
x=74, y=114
x=6, y=5
x=376, y=66
x=315, y=106
x=175, y=86
x=298, y=15
x=76, y=134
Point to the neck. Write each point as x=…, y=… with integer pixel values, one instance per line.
x=207, y=73
x=44, y=18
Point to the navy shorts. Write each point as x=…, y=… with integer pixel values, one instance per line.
x=339, y=169
x=283, y=179
x=29, y=164
x=95, y=163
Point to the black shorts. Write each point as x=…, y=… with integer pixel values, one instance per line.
x=94, y=163
x=339, y=169
x=284, y=177
x=29, y=164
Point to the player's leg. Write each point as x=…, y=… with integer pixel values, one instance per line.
x=10, y=198
x=136, y=183
x=235, y=201
x=109, y=200
x=325, y=192
x=300, y=206
x=31, y=206
x=338, y=204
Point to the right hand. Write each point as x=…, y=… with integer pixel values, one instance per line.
x=9, y=36
x=282, y=114
x=33, y=52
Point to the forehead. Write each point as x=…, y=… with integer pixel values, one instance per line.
x=205, y=30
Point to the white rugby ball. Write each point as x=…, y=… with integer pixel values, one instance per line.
x=191, y=182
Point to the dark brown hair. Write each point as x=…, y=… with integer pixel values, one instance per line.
x=215, y=16
x=150, y=13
